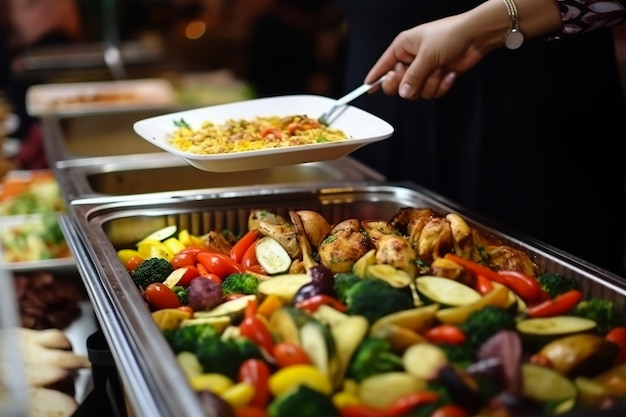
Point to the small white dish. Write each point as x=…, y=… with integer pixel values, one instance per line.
x=11, y=123
x=71, y=99
x=11, y=147
x=361, y=127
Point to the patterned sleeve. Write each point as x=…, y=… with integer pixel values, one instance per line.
x=580, y=16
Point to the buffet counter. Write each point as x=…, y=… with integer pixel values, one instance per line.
x=119, y=189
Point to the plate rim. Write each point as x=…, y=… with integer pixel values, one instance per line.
x=140, y=128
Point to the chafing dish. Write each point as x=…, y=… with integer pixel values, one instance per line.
x=95, y=230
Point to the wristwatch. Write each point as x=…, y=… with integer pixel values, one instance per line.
x=514, y=38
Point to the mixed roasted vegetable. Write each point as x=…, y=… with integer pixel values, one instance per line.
x=419, y=315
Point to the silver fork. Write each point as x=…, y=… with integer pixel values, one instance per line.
x=325, y=118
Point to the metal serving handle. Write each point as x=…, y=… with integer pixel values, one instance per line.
x=359, y=91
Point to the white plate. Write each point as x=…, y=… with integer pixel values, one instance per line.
x=361, y=127
x=95, y=97
x=11, y=147
x=11, y=123
x=58, y=264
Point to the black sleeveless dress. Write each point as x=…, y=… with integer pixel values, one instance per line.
x=532, y=139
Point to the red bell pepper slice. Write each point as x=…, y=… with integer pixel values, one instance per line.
x=242, y=245
x=311, y=304
x=557, y=306
x=256, y=372
x=526, y=286
x=254, y=329
x=405, y=404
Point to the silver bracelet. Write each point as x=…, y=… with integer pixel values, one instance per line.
x=513, y=38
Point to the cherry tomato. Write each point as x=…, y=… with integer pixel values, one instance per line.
x=133, y=262
x=219, y=264
x=186, y=309
x=541, y=360
x=256, y=372
x=243, y=244
x=450, y=410
x=287, y=354
x=617, y=335
x=183, y=259
x=161, y=296
x=191, y=273
x=445, y=333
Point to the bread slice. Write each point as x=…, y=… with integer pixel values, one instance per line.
x=46, y=402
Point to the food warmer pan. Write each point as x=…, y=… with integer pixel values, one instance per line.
x=154, y=383
x=82, y=137
x=127, y=176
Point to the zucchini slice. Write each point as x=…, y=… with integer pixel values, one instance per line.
x=161, y=234
x=285, y=324
x=538, y=332
x=395, y=277
x=231, y=308
x=272, y=256
x=445, y=291
x=318, y=343
x=546, y=385
x=284, y=286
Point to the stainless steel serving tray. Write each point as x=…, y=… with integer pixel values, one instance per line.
x=95, y=229
x=96, y=135
x=132, y=175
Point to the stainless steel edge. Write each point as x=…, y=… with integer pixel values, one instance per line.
x=140, y=384
x=148, y=367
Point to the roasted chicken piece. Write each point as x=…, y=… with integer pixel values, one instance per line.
x=461, y=235
x=376, y=229
x=397, y=251
x=507, y=258
x=345, y=244
x=284, y=233
x=258, y=216
x=435, y=239
x=316, y=227
x=216, y=242
x=406, y=215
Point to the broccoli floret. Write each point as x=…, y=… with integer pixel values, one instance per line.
x=188, y=338
x=555, y=284
x=479, y=326
x=240, y=283
x=151, y=270
x=484, y=323
x=182, y=294
x=602, y=311
x=225, y=356
x=374, y=298
x=343, y=281
x=462, y=355
x=373, y=356
x=302, y=401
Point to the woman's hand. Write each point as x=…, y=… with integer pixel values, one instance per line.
x=424, y=61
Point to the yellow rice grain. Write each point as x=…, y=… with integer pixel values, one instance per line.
x=239, y=135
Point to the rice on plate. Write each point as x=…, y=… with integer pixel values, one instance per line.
x=239, y=135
